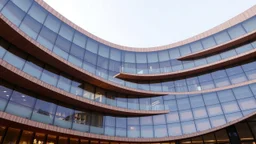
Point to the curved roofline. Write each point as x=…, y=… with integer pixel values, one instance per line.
x=229, y=23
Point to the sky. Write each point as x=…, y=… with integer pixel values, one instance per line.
x=148, y=23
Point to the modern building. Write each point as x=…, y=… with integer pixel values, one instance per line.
x=62, y=85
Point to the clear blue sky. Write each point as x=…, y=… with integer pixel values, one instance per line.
x=147, y=23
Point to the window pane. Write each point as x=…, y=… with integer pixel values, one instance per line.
x=15, y=58
x=92, y=46
x=11, y=136
x=52, y=23
x=33, y=67
x=13, y=13
x=30, y=26
x=49, y=76
x=38, y=13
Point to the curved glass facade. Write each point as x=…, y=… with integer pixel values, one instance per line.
x=189, y=113
x=233, y=86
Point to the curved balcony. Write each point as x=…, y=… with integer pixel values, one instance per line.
x=12, y=74
x=192, y=71
x=222, y=47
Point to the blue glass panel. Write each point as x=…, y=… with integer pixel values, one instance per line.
x=222, y=82
x=160, y=131
x=47, y=38
x=24, y=4
x=109, y=131
x=3, y=46
x=79, y=39
x=159, y=119
x=188, y=127
x=15, y=58
x=253, y=88
x=146, y=120
x=207, y=85
x=203, y=124
x=208, y=42
x=219, y=74
x=30, y=26
x=102, y=62
x=5, y=90
x=230, y=107
x=115, y=54
x=63, y=44
x=237, y=78
x=221, y=37
x=49, y=76
x=242, y=92
x=174, y=53
x=2, y=3
x=13, y=13
x=174, y=129
x=185, y=50
x=75, y=61
x=120, y=132
x=66, y=32
x=200, y=113
x=63, y=54
x=183, y=104
x=63, y=117
x=121, y=122
x=76, y=88
x=89, y=67
x=92, y=46
x=163, y=56
x=33, y=67
x=214, y=110
x=249, y=24
x=234, y=116
x=52, y=23
x=228, y=54
x=236, y=31
x=210, y=98
x=196, y=101
x=152, y=57
x=196, y=46
x=146, y=131
x=37, y=12
x=104, y=51
x=186, y=115
x=77, y=51
x=18, y=110
x=64, y=82
x=249, y=66
x=234, y=70
x=225, y=96
x=22, y=98
x=133, y=131
x=247, y=104
x=244, y=48
x=218, y=121
x=213, y=58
